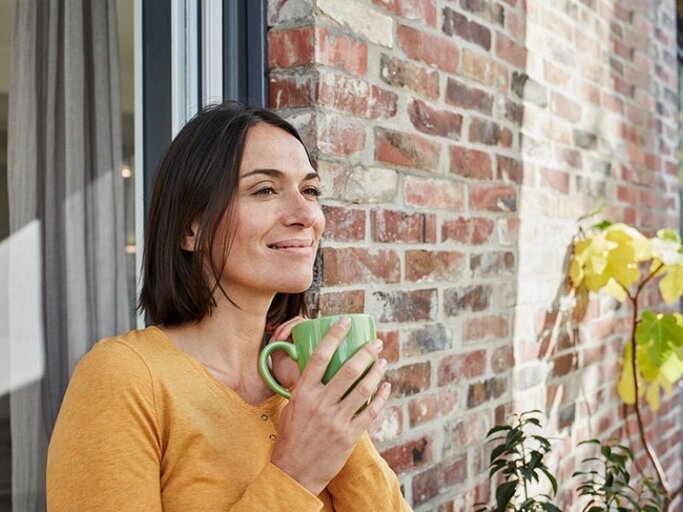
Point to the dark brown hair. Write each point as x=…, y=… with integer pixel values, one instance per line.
x=197, y=181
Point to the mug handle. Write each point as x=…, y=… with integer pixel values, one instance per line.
x=288, y=347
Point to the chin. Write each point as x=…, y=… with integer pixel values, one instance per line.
x=298, y=286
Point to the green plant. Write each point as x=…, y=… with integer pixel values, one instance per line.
x=619, y=260
x=518, y=457
x=604, y=480
x=609, y=487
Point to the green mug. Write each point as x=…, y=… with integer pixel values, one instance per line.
x=307, y=335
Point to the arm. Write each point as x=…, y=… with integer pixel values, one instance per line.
x=366, y=483
x=105, y=450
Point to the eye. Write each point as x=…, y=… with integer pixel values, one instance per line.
x=265, y=191
x=312, y=191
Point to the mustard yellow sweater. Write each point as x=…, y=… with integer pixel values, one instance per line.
x=145, y=427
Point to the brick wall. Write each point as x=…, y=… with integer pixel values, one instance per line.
x=459, y=141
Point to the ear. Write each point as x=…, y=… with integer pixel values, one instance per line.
x=189, y=242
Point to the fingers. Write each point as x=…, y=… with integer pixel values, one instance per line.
x=321, y=356
x=354, y=368
x=284, y=330
x=363, y=420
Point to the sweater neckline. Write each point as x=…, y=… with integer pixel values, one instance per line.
x=269, y=405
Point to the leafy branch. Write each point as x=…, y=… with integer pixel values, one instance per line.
x=609, y=258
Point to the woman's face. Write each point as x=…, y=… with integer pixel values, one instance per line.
x=278, y=221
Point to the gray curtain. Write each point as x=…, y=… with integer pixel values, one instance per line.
x=66, y=192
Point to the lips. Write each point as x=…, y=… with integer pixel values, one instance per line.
x=291, y=244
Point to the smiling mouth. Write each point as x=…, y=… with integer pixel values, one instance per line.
x=293, y=246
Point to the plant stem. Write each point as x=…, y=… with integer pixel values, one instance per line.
x=641, y=428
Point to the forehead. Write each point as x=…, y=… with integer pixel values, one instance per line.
x=270, y=147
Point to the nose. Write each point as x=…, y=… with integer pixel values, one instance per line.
x=302, y=211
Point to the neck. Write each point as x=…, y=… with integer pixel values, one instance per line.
x=228, y=342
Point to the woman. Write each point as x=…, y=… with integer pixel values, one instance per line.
x=175, y=417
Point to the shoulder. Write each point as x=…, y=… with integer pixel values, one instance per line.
x=135, y=350
x=121, y=362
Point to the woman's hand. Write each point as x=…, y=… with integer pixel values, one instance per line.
x=285, y=370
x=318, y=429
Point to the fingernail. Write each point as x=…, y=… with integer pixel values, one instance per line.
x=344, y=322
x=379, y=345
x=381, y=363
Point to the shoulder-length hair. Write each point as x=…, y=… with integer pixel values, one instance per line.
x=197, y=181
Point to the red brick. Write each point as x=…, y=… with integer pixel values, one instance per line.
x=431, y=121
x=392, y=346
x=510, y=169
x=482, y=229
x=434, y=481
x=471, y=98
x=404, y=306
x=410, y=379
x=430, y=229
x=467, y=298
x=340, y=50
x=556, y=25
x=481, y=392
x=456, y=229
x=465, y=432
x=424, y=265
x=421, y=10
x=355, y=96
x=461, y=366
x=554, y=179
x=510, y=51
x=344, y=224
x=406, y=150
x=397, y=226
x=382, y=104
x=494, y=198
x=290, y=91
x=288, y=48
x=425, y=408
x=334, y=174
x=565, y=364
x=470, y=163
x=564, y=107
x=428, y=48
x=484, y=131
x=400, y=73
x=388, y=426
x=570, y=156
x=506, y=138
x=433, y=193
x=492, y=263
x=653, y=162
x=555, y=74
x=485, y=327
x=337, y=303
x=482, y=68
x=340, y=135
x=409, y=455
x=508, y=231
x=485, y=9
x=502, y=359
x=360, y=265
x=455, y=23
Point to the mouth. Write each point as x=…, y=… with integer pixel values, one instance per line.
x=297, y=247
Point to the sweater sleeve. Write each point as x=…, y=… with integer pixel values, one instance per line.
x=273, y=490
x=105, y=453
x=366, y=483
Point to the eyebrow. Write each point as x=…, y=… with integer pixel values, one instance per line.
x=275, y=173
